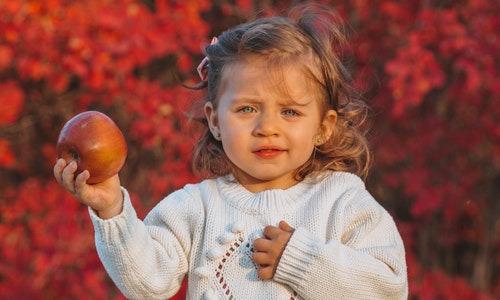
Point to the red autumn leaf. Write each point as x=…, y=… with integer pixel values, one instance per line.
x=6, y=56
x=7, y=158
x=11, y=102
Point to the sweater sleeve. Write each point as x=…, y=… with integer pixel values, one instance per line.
x=367, y=261
x=148, y=260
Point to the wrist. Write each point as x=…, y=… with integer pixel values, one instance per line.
x=115, y=209
x=298, y=258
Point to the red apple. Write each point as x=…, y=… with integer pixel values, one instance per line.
x=94, y=141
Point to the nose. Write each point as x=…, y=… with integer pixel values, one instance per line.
x=266, y=125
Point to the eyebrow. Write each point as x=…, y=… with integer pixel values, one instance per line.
x=287, y=102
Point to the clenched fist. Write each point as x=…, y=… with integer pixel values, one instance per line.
x=268, y=249
x=105, y=198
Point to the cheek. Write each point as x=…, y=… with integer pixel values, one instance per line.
x=303, y=139
x=224, y=127
x=233, y=134
x=232, y=128
x=302, y=134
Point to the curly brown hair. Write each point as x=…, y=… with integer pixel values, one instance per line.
x=314, y=36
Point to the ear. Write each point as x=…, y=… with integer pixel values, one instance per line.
x=327, y=125
x=211, y=115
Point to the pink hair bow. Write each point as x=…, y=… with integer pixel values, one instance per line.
x=202, y=67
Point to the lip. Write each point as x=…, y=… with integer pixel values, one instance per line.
x=268, y=151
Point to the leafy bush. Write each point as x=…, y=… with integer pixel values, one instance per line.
x=428, y=68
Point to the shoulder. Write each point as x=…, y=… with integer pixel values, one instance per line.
x=200, y=189
x=185, y=203
x=192, y=197
x=349, y=193
x=355, y=204
x=342, y=180
x=336, y=184
x=354, y=209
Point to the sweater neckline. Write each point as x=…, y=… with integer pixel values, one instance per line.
x=266, y=201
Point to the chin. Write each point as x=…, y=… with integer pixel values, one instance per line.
x=265, y=176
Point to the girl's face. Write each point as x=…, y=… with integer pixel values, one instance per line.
x=265, y=132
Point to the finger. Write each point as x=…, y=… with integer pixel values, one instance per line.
x=68, y=176
x=81, y=181
x=262, y=245
x=265, y=273
x=262, y=259
x=271, y=232
x=58, y=167
x=285, y=226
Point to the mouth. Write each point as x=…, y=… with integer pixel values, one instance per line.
x=268, y=152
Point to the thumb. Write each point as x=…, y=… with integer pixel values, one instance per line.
x=284, y=226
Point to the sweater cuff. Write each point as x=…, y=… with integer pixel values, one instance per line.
x=104, y=228
x=295, y=262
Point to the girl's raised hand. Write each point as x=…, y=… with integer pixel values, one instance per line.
x=105, y=198
x=268, y=249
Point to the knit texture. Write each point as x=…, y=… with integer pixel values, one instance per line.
x=345, y=245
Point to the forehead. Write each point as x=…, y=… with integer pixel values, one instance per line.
x=260, y=78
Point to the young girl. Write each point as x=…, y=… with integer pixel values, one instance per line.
x=285, y=215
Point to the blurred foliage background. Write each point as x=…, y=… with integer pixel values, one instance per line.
x=429, y=70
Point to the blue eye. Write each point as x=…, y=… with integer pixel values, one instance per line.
x=246, y=109
x=290, y=113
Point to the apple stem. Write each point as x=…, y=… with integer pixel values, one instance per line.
x=74, y=154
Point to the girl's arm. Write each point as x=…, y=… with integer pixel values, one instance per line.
x=148, y=260
x=366, y=261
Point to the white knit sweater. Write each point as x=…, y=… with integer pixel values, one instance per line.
x=345, y=246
